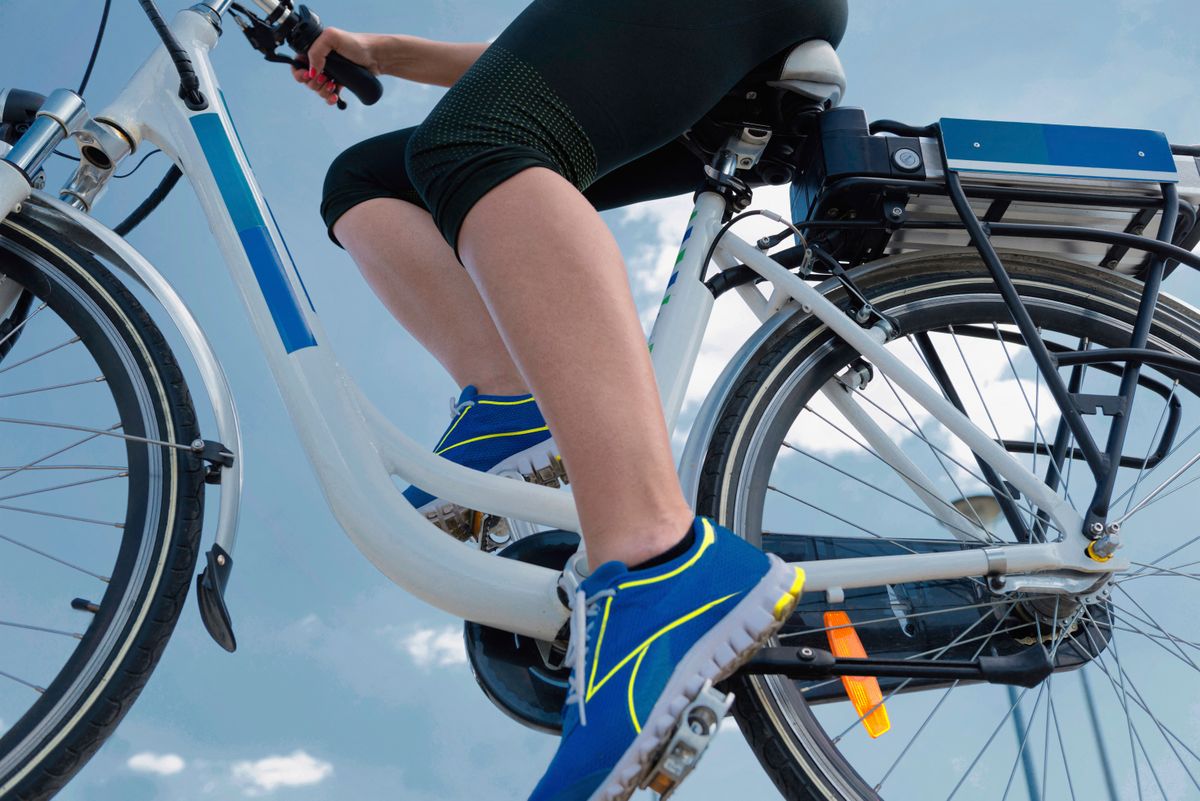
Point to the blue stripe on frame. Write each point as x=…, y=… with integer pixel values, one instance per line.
x=252, y=231
x=672, y=281
x=1035, y=147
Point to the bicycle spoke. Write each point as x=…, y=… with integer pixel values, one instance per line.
x=1037, y=700
x=34, y=391
x=1003, y=719
x=21, y=325
x=908, y=478
x=838, y=517
x=928, y=718
x=52, y=558
x=1097, y=660
x=1152, y=622
x=99, y=431
x=1129, y=492
x=58, y=452
x=23, y=510
x=1144, y=502
x=1162, y=416
x=969, y=532
x=29, y=627
x=82, y=482
x=28, y=684
x=1062, y=751
x=935, y=653
x=892, y=618
x=39, y=355
x=1000, y=490
x=925, y=439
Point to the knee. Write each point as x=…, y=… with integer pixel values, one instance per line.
x=370, y=169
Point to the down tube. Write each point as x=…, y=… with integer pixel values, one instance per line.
x=328, y=420
x=1004, y=464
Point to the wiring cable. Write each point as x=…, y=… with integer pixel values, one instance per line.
x=87, y=73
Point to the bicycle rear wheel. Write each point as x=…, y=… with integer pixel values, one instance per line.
x=792, y=473
x=100, y=505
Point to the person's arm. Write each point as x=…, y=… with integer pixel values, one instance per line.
x=424, y=60
x=408, y=57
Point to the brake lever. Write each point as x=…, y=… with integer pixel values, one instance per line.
x=266, y=38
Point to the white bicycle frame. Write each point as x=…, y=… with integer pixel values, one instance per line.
x=355, y=450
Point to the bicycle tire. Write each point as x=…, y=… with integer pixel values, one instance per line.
x=792, y=748
x=156, y=556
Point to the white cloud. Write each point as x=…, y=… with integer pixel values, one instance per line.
x=161, y=764
x=427, y=647
x=264, y=775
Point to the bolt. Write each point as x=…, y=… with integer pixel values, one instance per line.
x=1111, y=264
x=806, y=653
x=863, y=315
x=977, y=145
x=1138, y=230
x=896, y=212
x=221, y=559
x=1112, y=529
x=1096, y=528
x=751, y=95
x=697, y=728
x=1141, y=154
x=197, y=445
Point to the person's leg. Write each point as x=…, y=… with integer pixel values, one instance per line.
x=413, y=271
x=371, y=209
x=552, y=276
x=567, y=93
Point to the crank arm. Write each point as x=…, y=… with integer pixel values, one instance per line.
x=1027, y=668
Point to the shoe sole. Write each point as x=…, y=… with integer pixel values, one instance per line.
x=714, y=657
x=538, y=464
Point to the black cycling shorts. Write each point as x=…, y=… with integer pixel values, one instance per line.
x=596, y=91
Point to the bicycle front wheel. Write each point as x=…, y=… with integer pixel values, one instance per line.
x=100, y=505
x=800, y=473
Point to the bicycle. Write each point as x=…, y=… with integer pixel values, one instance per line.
x=886, y=305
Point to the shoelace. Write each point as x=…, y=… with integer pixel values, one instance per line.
x=456, y=407
x=582, y=611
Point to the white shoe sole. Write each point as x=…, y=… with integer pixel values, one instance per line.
x=713, y=658
x=539, y=464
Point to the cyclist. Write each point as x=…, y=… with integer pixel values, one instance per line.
x=575, y=108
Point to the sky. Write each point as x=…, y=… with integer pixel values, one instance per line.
x=344, y=686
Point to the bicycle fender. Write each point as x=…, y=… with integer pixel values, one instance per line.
x=85, y=231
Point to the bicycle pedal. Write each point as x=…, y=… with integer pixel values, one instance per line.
x=694, y=731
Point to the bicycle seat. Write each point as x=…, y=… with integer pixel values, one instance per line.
x=813, y=70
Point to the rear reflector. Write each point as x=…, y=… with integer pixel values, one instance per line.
x=863, y=691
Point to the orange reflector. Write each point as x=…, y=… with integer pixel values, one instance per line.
x=863, y=691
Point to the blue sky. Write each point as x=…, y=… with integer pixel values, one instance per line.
x=343, y=685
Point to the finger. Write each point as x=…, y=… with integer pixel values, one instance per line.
x=301, y=75
x=320, y=49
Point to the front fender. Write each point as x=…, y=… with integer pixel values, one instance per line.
x=84, y=231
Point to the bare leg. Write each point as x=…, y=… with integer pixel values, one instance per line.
x=410, y=267
x=554, y=281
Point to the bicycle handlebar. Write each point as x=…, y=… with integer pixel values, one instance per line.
x=344, y=72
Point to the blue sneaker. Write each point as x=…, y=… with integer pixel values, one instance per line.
x=494, y=434
x=645, y=644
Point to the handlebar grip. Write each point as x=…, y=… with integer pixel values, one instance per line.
x=359, y=80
